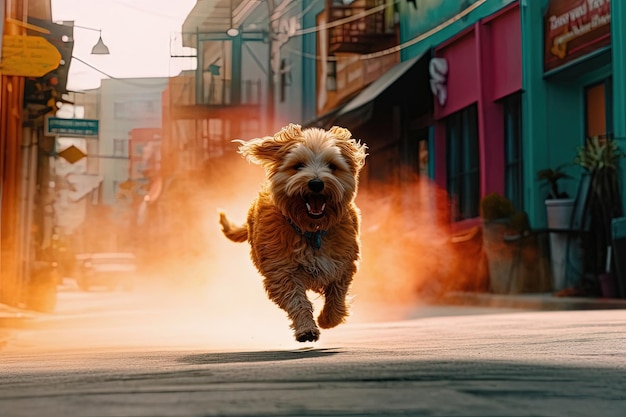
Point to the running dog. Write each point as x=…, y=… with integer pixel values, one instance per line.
x=303, y=227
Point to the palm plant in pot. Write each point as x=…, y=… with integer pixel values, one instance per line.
x=559, y=208
x=559, y=204
x=599, y=157
x=552, y=178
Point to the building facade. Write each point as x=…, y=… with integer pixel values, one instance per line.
x=26, y=96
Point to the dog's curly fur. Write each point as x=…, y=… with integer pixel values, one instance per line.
x=303, y=227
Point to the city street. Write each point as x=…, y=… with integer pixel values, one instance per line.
x=447, y=175
x=121, y=354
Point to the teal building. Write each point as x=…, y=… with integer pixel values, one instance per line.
x=572, y=91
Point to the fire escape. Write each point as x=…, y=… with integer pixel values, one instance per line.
x=369, y=33
x=206, y=108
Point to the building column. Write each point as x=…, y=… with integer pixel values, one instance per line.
x=534, y=120
x=618, y=51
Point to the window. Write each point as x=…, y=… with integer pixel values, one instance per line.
x=513, y=165
x=463, y=169
x=138, y=149
x=119, y=147
x=285, y=79
x=136, y=109
x=331, y=76
x=423, y=158
x=599, y=109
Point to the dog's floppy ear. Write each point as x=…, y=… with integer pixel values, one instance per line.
x=259, y=150
x=353, y=150
x=289, y=133
x=270, y=150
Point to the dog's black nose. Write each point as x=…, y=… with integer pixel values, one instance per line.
x=316, y=185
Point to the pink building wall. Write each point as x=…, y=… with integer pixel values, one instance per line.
x=463, y=73
x=506, y=44
x=485, y=65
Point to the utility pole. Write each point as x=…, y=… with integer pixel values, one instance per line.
x=11, y=104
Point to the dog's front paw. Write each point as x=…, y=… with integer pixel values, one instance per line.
x=330, y=318
x=308, y=335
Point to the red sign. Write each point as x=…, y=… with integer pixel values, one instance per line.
x=574, y=28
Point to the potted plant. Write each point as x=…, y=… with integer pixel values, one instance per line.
x=599, y=157
x=559, y=204
x=552, y=177
x=559, y=209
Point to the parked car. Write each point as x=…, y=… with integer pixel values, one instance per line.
x=110, y=270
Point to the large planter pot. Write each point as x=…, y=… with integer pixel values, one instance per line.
x=517, y=264
x=500, y=255
x=565, y=247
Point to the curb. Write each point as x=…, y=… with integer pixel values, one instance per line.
x=541, y=301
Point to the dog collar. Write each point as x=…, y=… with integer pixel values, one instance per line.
x=314, y=238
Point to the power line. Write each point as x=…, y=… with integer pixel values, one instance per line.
x=124, y=80
x=92, y=67
x=343, y=21
x=396, y=48
x=386, y=51
x=340, y=22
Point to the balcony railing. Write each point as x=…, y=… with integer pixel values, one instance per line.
x=217, y=92
x=363, y=35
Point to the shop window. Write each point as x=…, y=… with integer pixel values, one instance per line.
x=598, y=109
x=423, y=157
x=513, y=166
x=463, y=168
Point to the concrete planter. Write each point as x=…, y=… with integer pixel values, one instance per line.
x=517, y=264
x=500, y=256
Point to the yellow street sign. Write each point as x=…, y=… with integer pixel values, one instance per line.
x=72, y=154
x=28, y=56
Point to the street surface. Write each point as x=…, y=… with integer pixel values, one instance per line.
x=121, y=354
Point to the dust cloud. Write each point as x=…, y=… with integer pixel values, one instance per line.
x=198, y=289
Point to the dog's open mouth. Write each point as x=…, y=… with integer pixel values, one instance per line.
x=315, y=205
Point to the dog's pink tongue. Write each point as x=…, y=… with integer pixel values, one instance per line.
x=316, y=204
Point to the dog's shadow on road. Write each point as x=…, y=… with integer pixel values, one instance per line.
x=257, y=356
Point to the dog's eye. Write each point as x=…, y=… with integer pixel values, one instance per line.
x=298, y=166
x=332, y=167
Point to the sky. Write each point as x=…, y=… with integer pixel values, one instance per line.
x=137, y=33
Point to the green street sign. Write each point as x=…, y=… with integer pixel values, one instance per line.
x=72, y=127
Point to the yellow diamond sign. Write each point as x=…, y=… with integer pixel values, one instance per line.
x=72, y=154
x=28, y=56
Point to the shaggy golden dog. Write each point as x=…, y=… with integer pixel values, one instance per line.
x=303, y=227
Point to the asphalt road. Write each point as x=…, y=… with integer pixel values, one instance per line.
x=134, y=360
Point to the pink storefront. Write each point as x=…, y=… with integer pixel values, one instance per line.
x=477, y=113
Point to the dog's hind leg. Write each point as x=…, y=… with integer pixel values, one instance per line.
x=232, y=231
x=292, y=298
x=335, y=309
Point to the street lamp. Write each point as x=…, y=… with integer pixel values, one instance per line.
x=232, y=30
x=99, y=48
